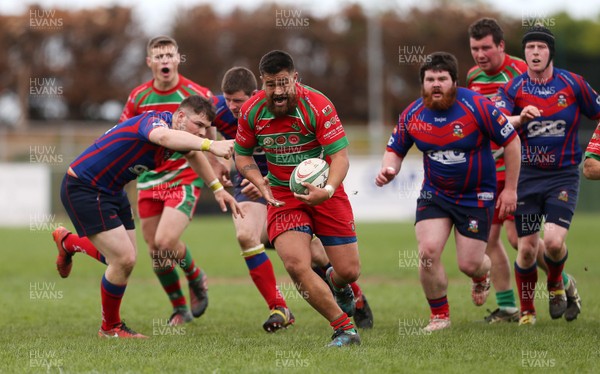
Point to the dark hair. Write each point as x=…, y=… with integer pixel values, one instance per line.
x=239, y=78
x=440, y=61
x=198, y=105
x=276, y=61
x=159, y=41
x=484, y=27
x=542, y=34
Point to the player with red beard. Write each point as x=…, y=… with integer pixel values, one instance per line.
x=453, y=127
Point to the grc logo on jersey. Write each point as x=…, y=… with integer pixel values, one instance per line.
x=391, y=141
x=447, y=157
x=159, y=123
x=546, y=128
x=507, y=130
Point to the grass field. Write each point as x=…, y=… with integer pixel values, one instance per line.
x=49, y=324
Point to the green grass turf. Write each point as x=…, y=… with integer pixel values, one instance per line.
x=54, y=329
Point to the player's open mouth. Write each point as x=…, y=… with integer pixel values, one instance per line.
x=279, y=100
x=165, y=70
x=536, y=61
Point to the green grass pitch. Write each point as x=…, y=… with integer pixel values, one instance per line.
x=49, y=324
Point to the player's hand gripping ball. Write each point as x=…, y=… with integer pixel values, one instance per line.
x=313, y=170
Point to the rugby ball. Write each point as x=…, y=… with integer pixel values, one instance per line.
x=313, y=170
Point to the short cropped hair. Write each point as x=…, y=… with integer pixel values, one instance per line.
x=239, y=79
x=160, y=41
x=198, y=105
x=440, y=61
x=484, y=27
x=276, y=61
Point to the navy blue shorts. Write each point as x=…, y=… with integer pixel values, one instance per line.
x=471, y=222
x=92, y=210
x=545, y=195
x=237, y=185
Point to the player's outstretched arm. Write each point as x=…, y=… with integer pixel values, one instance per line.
x=248, y=168
x=183, y=141
x=507, y=200
x=390, y=167
x=201, y=166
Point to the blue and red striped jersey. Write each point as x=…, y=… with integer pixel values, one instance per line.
x=224, y=121
x=123, y=153
x=457, y=158
x=551, y=140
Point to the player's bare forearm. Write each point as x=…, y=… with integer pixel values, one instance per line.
x=338, y=169
x=507, y=201
x=591, y=168
x=512, y=160
x=249, y=169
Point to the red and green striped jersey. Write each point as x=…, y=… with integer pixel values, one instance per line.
x=146, y=97
x=312, y=130
x=488, y=85
x=593, y=148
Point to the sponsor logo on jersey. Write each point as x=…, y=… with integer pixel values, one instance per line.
x=327, y=110
x=332, y=121
x=391, y=141
x=295, y=126
x=546, y=128
x=507, y=130
x=280, y=140
x=562, y=100
x=294, y=139
x=439, y=119
x=458, y=132
x=447, y=157
x=502, y=120
x=468, y=104
x=485, y=196
x=159, y=123
x=268, y=141
x=138, y=169
x=498, y=102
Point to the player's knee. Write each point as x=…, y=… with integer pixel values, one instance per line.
x=528, y=253
x=553, y=245
x=245, y=239
x=469, y=268
x=349, y=273
x=429, y=253
x=126, y=263
x=295, y=268
x=165, y=244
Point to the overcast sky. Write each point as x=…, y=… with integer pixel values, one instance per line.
x=156, y=15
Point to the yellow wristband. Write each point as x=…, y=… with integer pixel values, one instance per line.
x=215, y=185
x=205, y=146
x=330, y=190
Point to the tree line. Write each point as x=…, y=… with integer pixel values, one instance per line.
x=69, y=64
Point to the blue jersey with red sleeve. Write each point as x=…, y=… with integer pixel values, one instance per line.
x=123, y=153
x=224, y=121
x=457, y=157
x=551, y=140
